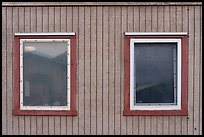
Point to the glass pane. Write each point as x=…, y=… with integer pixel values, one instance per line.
x=44, y=74
x=155, y=72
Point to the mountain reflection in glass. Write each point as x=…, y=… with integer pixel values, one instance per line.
x=44, y=74
x=155, y=73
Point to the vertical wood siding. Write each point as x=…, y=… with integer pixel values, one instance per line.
x=100, y=67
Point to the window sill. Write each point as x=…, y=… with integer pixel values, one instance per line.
x=155, y=113
x=45, y=112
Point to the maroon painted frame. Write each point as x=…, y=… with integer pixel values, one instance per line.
x=16, y=72
x=184, y=79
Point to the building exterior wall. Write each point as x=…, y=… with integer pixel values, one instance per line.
x=100, y=66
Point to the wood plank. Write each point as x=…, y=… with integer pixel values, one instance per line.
x=184, y=29
x=45, y=20
x=165, y=125
x=51, y=122
x=178, y=126
x=33, y=121
x=153, y=124
x=81, y=70
x=105, y=64
x=33, y=29
x=159, y=125
x=167, y=18
x=160, y=14
x=166, y=29
x=191, y=70
x=118, y=48
x=172, y=122
x=57, y=19
x=93, y=70
x=74, y=12
x=45, y=28
x=39, y=29
x=71, y=15
x=45, y=125
x=87, y=64
x=141, y=125
x=18, y=122
x=63, y=119
x=63, y=19
x=136, y=28
x=179, y=18
x=154, y=19
x=9, y=71
x=147, y=125
x=27, y=29
x=57, y=24
x=196, y=125
x=201, y=73
x=67, y=126
x=136, y=19
x=172, y=20
x=63, y=125
x=142, y=18
x=99, y=70
x=130, y=26
x=123, y=29
x=33, y=19
x=148, y=18
x=39, y=19
x=160, y=29
x=4, y=71
x=142, y=22
x=160, y=20
x=111, y=67
x=51, y=21
x=39, y=125
x=69, y=28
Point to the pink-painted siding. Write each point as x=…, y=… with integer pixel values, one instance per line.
x=100, y=66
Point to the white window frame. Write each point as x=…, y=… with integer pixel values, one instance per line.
x=163, y=106
x=22, y=107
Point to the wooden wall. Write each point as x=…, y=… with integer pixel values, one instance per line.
x=100, y=66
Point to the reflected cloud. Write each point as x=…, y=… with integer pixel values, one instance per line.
x=46, y=49
x=29, y=49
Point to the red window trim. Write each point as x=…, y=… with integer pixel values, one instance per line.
x=184, y=79
x=16, y=70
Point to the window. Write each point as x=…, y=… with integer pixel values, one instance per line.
x=45, y=74
x=155, y=74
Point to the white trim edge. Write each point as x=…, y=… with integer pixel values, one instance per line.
x=49, y=33
x=67, y=107
x=155, y=33
x=163, y=107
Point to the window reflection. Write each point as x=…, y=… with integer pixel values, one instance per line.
x=45, y=69
x=154, y=73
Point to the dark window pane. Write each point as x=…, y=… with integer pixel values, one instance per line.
x=44, y=72
x=155, y=69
